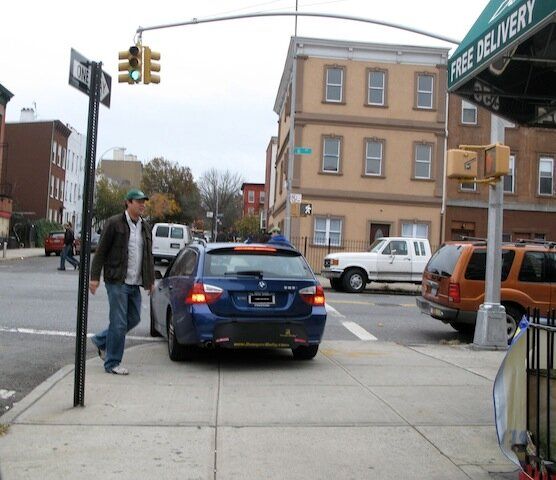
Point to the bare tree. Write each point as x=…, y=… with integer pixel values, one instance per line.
x=221, y=194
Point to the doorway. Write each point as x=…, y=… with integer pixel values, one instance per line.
x=378, y=230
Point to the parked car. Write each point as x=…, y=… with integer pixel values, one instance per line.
x=237, y=295
x=169, y=239
x=95, y=237
x=389, y=259
x=453, y=285
x=54, y=243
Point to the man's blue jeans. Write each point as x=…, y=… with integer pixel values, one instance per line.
x=67, y=254
x=125, y=314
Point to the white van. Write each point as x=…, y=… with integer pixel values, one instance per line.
x=169, y=239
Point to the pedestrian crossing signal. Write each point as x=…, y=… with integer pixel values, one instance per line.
x=306, y=209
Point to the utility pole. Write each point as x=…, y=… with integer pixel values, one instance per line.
x=291, y=145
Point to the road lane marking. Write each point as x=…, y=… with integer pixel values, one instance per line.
x=58, y=333
x=373, y=304
x=333, y=311
x=6, y=394
x=359, y=331
x=351, y=302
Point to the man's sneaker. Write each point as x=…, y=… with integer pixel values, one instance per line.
x=118, y=370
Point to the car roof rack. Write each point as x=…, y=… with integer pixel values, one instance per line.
x=536, y=241
x=473, y=239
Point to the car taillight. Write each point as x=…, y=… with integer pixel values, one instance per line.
x=203, y=293
x=454, y=293
x=313, y=295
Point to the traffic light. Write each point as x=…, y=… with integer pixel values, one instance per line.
x=497, y=160
x=132, y=65
x=461, y=164
x=149, y=66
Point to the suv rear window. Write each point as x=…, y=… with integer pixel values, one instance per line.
x=176, y=232
x=533, y=267
x=444, y=260
x=476, y=267
x=277, y=264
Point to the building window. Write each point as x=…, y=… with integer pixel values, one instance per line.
x=54, y=150
x=425, y=87
x=261, y=197
x=334, y=84
x=423, y=158
x=373, y=157
x=328, y=230
x=52, y=186
x=468, y=113
x=546, y=169
x=331, y=155
x=375, y=95
x=509, y=179
x=59, y=156
x=62, y=190
x=63, y=158
x=251, y=211
x=418, y=230
x=250, y=196
x=468, y=186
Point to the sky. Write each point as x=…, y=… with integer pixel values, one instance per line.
x=214, y=105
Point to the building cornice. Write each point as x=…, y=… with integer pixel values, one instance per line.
x=365, y=197
x=522, y=207
x=5, y=95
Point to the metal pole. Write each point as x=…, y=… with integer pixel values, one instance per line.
x=291, y=144
x=490, y=329
x=295, y=31
x=85, y=256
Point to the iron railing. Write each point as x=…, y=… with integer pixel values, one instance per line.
x=541, y=390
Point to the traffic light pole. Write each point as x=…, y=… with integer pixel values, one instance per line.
x=85, y=255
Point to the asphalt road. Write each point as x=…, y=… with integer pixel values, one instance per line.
x=38, y=316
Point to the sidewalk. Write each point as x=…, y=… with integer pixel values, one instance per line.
x=13, y=253
x=359, y=410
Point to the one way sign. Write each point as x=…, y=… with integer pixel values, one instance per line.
x=306, y=209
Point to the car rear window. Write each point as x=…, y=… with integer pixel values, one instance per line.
x=56, y=235
x=176, y=232
x=162, y=231
x=278, y=264
x=444, y=260
x=476, y=267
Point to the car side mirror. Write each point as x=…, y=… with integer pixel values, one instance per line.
x=157, y=275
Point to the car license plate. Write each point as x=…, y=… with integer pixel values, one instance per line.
x=261, y=299
x=175, y=245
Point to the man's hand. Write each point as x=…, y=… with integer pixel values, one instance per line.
x=93, y=285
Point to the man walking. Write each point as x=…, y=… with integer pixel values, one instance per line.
x=124, y=253
x=67, y=251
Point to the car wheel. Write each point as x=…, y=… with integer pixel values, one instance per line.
x=354, y=280
x=176, y=351
x=154, y=332
x=336, y=284
x=463, y=327
x=47, y=254
x=305, y=353
x=513, y=317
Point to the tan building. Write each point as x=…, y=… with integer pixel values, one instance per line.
x=529, y=207
x=374, y=117
x=124, y=169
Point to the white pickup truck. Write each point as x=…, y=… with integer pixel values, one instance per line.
x=389, y=259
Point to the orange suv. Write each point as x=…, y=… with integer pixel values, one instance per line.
x=453, y=285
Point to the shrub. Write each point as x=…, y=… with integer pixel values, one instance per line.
x=43, y=227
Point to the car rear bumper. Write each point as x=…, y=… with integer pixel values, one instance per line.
x=245, y=332
x=445, y=314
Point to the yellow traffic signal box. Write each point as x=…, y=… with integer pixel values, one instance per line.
x=461, y=164
x=149, y=66
x=133, y=65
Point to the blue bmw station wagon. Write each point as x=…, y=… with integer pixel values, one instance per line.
x=238, y=295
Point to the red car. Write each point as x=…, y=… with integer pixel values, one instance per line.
x=54, y=243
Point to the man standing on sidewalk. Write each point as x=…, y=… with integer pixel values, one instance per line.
x=124, y=253
x=67, y=251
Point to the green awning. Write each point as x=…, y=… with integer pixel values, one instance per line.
x=507, y=61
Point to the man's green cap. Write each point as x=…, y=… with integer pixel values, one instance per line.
x=274, y=230
x=136, y=194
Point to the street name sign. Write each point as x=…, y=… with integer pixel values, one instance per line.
x=302, y=151
x=295, y=198
x=80, y=77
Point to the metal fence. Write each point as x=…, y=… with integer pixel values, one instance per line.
x=541, y=422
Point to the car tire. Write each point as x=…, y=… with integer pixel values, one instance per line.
x=47, y=254
x=336, y=284
x=463, y=327
x=513, y=317
x=154, y=331
x=176, y=351
x=354, y=280
x=305, y=352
